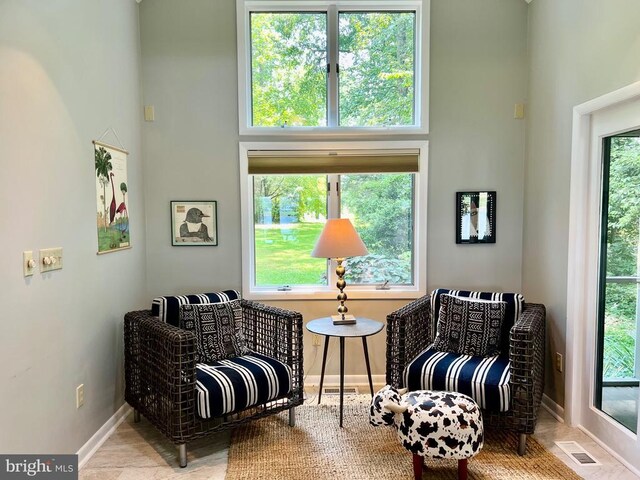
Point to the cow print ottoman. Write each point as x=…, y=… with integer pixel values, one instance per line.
x=431, y=424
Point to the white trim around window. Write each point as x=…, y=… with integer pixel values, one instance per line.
x=249, y=289
x=421, y=66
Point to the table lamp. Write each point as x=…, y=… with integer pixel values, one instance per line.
x=340, y=240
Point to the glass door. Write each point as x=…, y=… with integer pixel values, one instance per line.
x=618, y=349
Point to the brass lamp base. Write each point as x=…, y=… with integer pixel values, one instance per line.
x=343, y=319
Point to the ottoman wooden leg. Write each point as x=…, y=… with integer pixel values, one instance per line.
x=417, y=466
x=462, y=469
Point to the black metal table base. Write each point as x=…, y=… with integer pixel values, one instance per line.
x=324, y=363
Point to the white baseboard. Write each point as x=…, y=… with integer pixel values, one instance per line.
x=101, y=436
x=553, y=408
x=360, y=381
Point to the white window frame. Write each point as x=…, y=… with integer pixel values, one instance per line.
x=308, y=292
x=421, y=67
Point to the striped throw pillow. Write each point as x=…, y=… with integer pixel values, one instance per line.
x=167, y=308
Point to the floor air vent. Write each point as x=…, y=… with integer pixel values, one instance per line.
x=578, y=454
x=336, y=391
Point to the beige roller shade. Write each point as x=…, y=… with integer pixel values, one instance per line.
x=265, y=162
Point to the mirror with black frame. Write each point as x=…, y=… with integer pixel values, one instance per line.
x=476, y=217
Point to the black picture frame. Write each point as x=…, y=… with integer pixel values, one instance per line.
x=476, y=217
x=194, y=223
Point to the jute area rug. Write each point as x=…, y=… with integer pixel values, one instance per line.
x=317, y=449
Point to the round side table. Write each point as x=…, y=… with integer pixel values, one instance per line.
x=364, y=327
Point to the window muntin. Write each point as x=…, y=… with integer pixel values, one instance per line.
x=403, y=87
x=289, y=212
x=377, y=68
x=381, y=209
x=288, y=69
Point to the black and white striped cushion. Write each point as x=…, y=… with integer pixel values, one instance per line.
x=167, y=308
x=234, y=384
x=485, y=379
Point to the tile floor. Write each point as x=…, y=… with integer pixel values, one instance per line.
x=138, y=451
x=549, y=431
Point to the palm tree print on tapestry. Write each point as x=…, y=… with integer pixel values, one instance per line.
x=112, y=217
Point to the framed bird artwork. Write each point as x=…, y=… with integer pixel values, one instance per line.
x=194, y=223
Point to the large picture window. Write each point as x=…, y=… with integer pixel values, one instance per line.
x=333, y=65
x=289, y=190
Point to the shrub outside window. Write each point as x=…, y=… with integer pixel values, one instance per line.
x=381, y=208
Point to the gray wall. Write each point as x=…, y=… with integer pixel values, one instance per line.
x=579, y=50
x=478, y=72
x=68, y=70
x=189, y=73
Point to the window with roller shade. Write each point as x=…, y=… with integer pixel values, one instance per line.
x=288, y=195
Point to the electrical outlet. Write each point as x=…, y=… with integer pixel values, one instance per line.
x=559, y=362
x=316, y=340
x=80, y=395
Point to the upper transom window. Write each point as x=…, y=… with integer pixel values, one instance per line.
x=331, y=66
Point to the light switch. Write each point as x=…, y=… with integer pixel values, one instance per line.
x=50, y=259
x=28, y=263
x=149, y=113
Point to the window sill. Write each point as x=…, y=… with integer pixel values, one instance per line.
x=334, y=131
x=330, y=294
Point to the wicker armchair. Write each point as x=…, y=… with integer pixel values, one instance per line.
x=160, y=371
x=410, y=332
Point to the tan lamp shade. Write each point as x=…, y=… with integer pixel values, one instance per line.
x=339, y=240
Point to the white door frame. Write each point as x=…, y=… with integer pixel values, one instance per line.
x=584, y=244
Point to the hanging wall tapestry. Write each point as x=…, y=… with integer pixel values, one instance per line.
x=112, y=215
